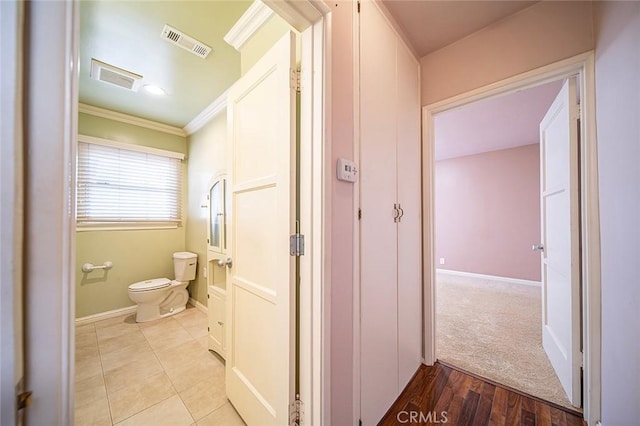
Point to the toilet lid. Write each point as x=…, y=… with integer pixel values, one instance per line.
x=153, y=284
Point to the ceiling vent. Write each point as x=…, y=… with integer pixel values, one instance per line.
x=114, y=75
x=187, y=43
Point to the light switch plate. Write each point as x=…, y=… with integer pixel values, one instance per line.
x=346, y=170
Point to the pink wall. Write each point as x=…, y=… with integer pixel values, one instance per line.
x=488, y=213
x=539, y=35
x=617, y=29
x=341, y=193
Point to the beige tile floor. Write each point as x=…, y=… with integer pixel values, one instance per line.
x=156, y=373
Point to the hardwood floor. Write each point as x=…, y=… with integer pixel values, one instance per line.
x=444, y=395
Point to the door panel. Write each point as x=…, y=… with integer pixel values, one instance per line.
x=216, y=308
x=378, y=231
x=410, y=224
x=560, y=238
x=260, y=287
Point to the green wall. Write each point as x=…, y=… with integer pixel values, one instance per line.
x=142, y=254
x=136, y=254
x=207, y=159
x=99, y=127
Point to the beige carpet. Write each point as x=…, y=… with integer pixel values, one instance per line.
x=493, y=329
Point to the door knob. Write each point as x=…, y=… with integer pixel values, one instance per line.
x=228, y=262
x=537, y=247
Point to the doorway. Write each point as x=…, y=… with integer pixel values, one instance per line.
x=580, y=66
x=487, y=218
x=50, y=313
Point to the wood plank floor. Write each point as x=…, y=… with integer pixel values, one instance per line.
x=440, y=393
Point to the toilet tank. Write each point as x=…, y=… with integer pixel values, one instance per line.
x=184, y=265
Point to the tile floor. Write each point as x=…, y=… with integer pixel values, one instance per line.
x=156, y=373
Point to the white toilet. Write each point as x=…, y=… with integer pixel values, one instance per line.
x=161, y=297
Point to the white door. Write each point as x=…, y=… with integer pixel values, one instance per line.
x=410, y=222
x=378, y=229
x=390, y=229
x=260, y=286
x=560, y=239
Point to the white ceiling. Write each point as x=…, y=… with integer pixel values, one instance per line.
x=492, y=124
x=430, y=25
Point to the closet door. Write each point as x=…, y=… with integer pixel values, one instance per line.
x=378, y=245
x=390, y=233
x=410, y=222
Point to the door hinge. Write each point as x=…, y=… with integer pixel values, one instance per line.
x=359, y=214
x=294, y=82
x=296, y=412
x=358, y=7
x=296, y=245
x=24, y=400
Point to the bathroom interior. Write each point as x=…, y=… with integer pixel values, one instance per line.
x=149, y=319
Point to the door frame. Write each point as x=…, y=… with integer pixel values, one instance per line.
x=50, y=202
x=12, y=192
x=583, y=66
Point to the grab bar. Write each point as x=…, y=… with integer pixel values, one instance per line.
x=88, y=267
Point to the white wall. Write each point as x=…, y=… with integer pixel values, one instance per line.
x=617, y=36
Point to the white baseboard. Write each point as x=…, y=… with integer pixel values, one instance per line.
x=198, y=305
x=106, y=315
x=125, y=311
x=489, y=277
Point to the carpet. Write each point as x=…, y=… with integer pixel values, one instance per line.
x=493, y=329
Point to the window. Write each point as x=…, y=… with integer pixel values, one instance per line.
x=122, y=184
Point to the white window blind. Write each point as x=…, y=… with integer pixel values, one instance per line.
x=122, y=186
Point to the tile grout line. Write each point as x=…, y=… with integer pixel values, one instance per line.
x=104, y=382
x=164, y=370
x=189, y=325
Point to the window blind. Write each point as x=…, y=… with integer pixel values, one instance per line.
x=117, y=185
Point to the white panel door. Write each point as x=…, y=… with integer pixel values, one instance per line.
x=410, y=222
x=560, y=239
x=378, y=231
x=260, y=304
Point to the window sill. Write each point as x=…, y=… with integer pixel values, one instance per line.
x=125, y=227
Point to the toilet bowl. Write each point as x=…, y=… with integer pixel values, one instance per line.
x=160, y=297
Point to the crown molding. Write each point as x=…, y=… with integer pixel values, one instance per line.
x=130, y=119
x=299, y=14
x=214, y=108
x=250, y=22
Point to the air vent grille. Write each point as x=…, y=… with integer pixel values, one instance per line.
x=173, y=36
x=113, y=75
x=182, y=40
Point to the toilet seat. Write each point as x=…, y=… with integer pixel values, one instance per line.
x=154, y=284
